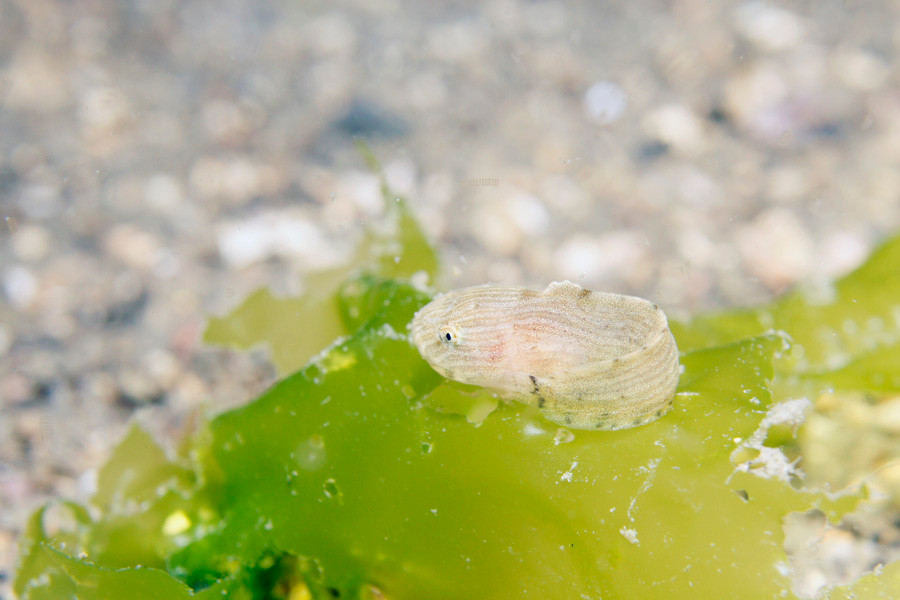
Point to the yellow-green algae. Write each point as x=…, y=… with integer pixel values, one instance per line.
x=365, y=475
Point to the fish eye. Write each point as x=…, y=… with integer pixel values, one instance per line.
x=449, y=336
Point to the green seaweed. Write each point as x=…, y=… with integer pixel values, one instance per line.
x=365, y=475
x=294, y=329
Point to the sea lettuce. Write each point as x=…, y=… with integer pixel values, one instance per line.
x=365, y=475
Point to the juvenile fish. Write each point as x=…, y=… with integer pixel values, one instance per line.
x=588, y=360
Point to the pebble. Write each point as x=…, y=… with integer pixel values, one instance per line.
x=225, y=123
x=20, y=286
x=428, y=90
x=233, y=181
x=754, y=98
x=860, y=70
x=712, y=155
x=678, y=127
x=503, y=224
x=842, y=251
x=605, y=102
x=163, y=367
x=787, y=184
x=331, y=34
x=15, y=388
x=770, y=28
x=133, y=246
x=776, y=247
x=163, y=193
x=36, y=81
x=103, y=108
x=31, y=242
x=401, y=176
x=40, y=201
x=593, y=260
x=6, y=338
x=99, y=388
x=271, y=234
x=459, y=41
x=137, y=388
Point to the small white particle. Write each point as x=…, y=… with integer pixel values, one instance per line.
x=630, y=534
x=604, y=102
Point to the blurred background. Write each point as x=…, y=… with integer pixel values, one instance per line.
x=160, y=160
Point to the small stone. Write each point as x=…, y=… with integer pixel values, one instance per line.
x=366, y=119
x=41, y=201
x=224, y=122
x=756, y=97
x=504, y=224
x=6, y=339
x=163, y=367
x=137, y=389
x=427, y=91
x=787, y=184
x=364, y=189
x=38, y=81
x=842, y=251
x=545, y=18
x=98, y=389
x=19, y=285
x=15, y=388
x=234, y=181
x=677, y=126
x=31, y=243
x=135, y=247
x=769, y=27
x=529, y=214
x=274, y=234
x=331, y=34
x=401, y=177
x=87, y=483
x=776, y=247
x=605, y=102
x=620, y=255
x=189, y=393
x=104, y=108
x=458, y=41
x=860, y=70
x=163, y=193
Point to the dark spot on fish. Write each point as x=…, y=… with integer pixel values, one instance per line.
x=637, y=422
x=584, y=293
x=600, y=424
x=541, y=402
x=568, y=419
x=534, y=383
x=660, y=412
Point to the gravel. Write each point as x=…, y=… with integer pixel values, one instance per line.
x=160, y=160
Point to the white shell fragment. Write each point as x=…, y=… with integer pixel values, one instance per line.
x=589, y=360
